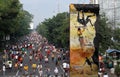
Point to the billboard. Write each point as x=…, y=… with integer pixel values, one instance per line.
x=83, y=18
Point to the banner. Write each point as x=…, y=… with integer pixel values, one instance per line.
x=83, y=18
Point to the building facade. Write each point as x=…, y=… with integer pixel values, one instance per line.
x=111, y=8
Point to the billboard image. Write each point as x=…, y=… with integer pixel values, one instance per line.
x=83, y=18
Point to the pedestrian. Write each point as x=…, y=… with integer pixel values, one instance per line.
x=112, y=70
x=10, y=65
x=59, y=57
x=52, y=56
x=105, y=74
x=110, y=64
x=25, y=53
x=4, y=69
x=64, y=56
x=26, y=69
x=13, y=56
x=39, y=66
x=36, y=58
x=21, y=65
x=34, y=66
x=40, y=72
x=56, y=61
x=46, y=59
x=100, y=74
x=16, y=57
x=30, y=57
x=48, y=72
x=40, y=56
x=48, y=53
x=16, y=66
x=56, y=72
x=21, y=59
x=65, y=67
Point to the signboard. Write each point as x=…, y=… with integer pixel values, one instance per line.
x=83, y=18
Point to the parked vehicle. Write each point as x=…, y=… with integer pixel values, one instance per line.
x=8, y=64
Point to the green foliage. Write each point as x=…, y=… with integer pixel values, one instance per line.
x=56, y=30
x=116, y=37
x=24, y=19
x=13, y=19
x=9, y=9
x=105, y=32
x=117, y=70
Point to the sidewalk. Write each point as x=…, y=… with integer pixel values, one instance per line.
x=1, y=53
x=109, y=74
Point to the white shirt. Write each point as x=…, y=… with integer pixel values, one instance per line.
x=16, y=57
x=39, y=66
x=40, y=72
x=30, y=57
x=46, y=59
x=64, y=65
x=21, y=64
x=56, y=70
x=112, y=70
x=10, y=65
x=105, y=75
x=3, y=68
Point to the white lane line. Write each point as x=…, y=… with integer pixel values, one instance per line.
x=17, y=73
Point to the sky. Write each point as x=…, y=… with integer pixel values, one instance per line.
x=44, y=9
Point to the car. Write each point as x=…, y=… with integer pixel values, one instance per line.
x=7, y=63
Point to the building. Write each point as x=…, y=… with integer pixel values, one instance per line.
x=93, y=1
x=111, y=8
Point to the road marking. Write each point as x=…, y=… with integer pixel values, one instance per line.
x=17, y=73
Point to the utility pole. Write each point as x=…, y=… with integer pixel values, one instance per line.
x=58, y=6
x=114, y=14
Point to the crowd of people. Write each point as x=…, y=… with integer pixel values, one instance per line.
x=40, y=55
x=106, y=66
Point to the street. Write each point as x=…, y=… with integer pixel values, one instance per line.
x=31, y=50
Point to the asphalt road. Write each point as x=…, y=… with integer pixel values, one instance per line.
x=20, y=73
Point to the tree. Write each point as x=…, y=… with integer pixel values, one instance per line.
x=116, y=38
x=14, y=21
x=56, y=29
x=9, y=9
x=105, y=33
x=23, y=21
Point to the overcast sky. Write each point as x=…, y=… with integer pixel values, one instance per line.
x=42, y=9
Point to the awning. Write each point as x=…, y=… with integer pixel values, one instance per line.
x=112, y=50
